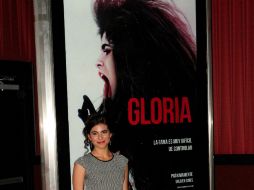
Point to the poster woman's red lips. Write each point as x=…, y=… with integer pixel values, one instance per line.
x=107, y=93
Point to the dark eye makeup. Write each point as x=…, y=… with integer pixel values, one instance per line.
x=106, y=48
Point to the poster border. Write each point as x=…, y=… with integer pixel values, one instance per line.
x=61, y=86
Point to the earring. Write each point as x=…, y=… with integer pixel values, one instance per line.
x=87, y=143
x=90, y=145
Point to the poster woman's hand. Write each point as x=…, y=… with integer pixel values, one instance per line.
x=87, y=109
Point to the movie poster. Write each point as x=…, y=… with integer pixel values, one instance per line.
x=138, y=62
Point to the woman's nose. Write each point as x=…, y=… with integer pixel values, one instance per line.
x=100, y=136
x=99, y=64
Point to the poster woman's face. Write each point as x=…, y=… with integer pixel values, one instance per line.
x=106, y=68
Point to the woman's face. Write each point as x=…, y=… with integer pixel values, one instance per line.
x=106, y=68
x=100, y=136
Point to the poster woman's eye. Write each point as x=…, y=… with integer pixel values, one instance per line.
x=107, y=51
x=106, y=48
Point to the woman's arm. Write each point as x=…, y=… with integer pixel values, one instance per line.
x=78, y=178
x=126, y=178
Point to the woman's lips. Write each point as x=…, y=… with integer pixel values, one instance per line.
x=101, y=142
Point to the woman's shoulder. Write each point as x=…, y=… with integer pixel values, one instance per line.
x=121, y=158
x=83, y=160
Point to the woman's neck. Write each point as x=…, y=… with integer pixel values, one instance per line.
x=102, y=154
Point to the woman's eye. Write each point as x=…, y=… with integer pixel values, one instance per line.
x=94, y=133
x=107, y=51
x=106, y=48
x=105, y=131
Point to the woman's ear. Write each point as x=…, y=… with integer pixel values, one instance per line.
x=88, y=137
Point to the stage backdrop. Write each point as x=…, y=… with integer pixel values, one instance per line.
x=165, y=135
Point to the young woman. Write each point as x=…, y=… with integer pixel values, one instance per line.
x=100, y=169
x=147, y=52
